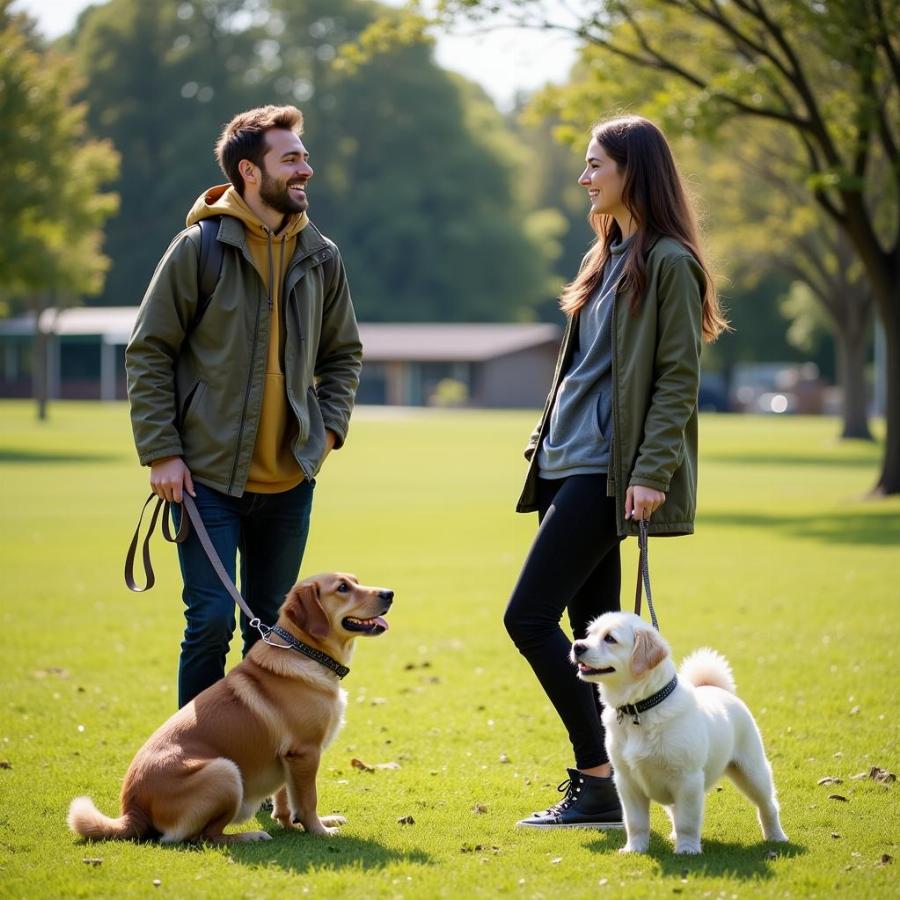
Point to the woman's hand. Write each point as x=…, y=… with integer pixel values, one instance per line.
x=641, y=502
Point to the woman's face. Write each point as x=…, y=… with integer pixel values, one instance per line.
x=603, y=181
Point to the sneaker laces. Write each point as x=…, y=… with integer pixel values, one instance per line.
x=567, y=787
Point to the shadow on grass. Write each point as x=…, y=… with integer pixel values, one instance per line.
x=10, y=455
x=298, y=853
x=869, y=527
x=836, y=461
x=720, y=859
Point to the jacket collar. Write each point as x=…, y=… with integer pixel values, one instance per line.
x=309, y=241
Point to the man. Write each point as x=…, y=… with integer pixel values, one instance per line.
x=238, y=402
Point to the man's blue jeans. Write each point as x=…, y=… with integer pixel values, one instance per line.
x=269, y=531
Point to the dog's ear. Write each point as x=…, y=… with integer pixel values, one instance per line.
x=649, y=650
x=305, y=610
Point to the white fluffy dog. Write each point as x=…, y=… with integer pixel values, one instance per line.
x=671, y=739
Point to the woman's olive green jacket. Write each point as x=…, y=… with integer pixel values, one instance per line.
x=655, y=380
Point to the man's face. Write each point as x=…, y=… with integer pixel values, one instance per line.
x=285, y=172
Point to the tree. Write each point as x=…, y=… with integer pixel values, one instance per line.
x=826, y=73
x=414, y=177
x=52, y=205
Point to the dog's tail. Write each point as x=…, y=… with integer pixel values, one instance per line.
x=87, y=821
x=708, y=667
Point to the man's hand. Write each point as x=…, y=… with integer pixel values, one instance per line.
x=641, y=502
x=169, y=477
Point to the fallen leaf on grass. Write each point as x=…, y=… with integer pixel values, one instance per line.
x=886, y=859
x=5, y=764
x=479, y=808
x=504, y=758
x=835, y=835
x=556, y=860
x=855, y=711
x=830, y=779
x=406, y=820
x=876, y=773
x=52, y=670
x=840, y=797
x=366, y=767
x=92, y=861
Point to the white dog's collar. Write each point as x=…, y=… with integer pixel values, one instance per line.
x=635, y=709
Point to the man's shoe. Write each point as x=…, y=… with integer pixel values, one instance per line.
x=590, y=802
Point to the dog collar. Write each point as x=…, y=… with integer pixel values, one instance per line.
x=320, y=657
x=635, y=709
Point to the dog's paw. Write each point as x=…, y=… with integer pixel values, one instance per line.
x=333, y=821
x=633, y=848
x=688, y=848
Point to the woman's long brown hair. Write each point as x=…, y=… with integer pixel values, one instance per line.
x=654, y=195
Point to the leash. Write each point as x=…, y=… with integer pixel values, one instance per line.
x=191, y=517
x=643, y=573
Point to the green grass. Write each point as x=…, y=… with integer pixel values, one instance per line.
x=792, y=574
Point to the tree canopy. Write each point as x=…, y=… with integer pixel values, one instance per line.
x=53, y=204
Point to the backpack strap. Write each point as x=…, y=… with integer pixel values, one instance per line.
x=210, y=265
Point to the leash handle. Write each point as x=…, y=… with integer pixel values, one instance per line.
x=149, y=576
x=643, y=573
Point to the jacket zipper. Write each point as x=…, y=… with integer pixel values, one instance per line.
x=237, y=451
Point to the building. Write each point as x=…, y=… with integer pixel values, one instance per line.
x=490, y=365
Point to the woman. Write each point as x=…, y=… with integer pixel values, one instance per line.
x=617, y=441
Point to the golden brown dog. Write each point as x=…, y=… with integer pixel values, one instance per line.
x=257, y=732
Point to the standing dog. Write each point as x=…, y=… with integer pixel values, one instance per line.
x=257, y=732
x=671, y=739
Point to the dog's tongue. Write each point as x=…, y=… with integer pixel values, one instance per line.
x=382, y=622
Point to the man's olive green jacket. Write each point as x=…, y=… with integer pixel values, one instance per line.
x=196, y=387
x=655, y=378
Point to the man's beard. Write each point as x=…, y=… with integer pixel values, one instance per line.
x=275, y=193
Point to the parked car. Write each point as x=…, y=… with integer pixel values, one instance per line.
x=778, y=388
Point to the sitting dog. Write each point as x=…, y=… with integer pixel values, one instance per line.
x=257, y=732
x=670, y=739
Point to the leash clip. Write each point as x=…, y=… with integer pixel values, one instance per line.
x=264, y=630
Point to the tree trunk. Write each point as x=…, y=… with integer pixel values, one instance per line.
x=851, y=353
x=889, y=481
x=39, y=361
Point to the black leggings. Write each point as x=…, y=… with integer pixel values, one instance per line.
x=573, y=565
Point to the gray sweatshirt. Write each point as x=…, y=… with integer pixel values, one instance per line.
x=577, y=440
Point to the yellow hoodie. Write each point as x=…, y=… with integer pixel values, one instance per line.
x=273, y=467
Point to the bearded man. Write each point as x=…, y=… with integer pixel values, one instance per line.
x=237, y=398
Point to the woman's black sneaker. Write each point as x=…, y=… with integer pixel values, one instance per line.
x=590, y=802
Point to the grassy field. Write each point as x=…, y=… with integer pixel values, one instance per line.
x=792, y=574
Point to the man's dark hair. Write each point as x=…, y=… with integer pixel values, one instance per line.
x=244, y=137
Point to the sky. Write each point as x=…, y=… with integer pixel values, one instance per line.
x=503, y=61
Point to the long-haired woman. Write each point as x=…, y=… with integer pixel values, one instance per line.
x=617, y=441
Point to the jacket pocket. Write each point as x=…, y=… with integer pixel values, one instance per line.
x=604, y=415
x=190, y=402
